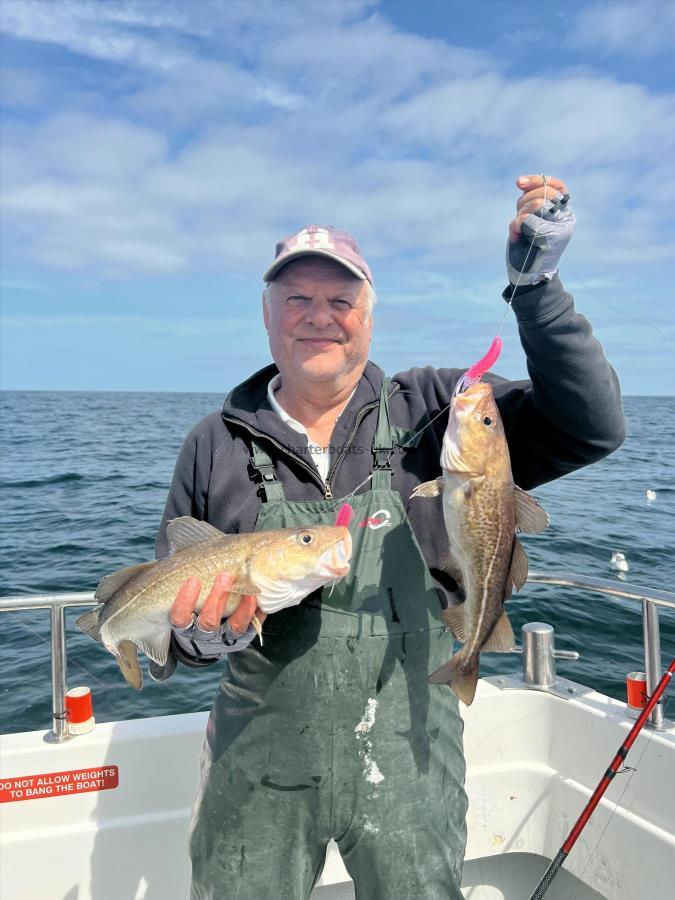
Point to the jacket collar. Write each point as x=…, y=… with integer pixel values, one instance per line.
x=247, y=403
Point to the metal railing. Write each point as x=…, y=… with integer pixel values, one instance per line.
x=650, y=599
x=57, y=605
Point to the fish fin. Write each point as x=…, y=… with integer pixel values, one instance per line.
x=150, y=634
x=157, y=652
x=255, y=621
x=519, y=566
x=127, y=660
x=244, y=584
x=531, y=517
x=185, y=532
x=460, y=678
x=451, y=458
x=453, y=617
x=89, y=624
x=429, y=488
x=110, y=584
x=501, y=638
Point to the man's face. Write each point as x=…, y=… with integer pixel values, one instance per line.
x=318, y=322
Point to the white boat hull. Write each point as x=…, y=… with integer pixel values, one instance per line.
x=533, y=761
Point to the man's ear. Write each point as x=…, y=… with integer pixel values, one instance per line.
x=266, y=312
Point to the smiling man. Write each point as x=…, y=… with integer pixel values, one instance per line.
x=329, y=729
x=319, y=321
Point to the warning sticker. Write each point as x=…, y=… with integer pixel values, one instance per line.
x=58, y=784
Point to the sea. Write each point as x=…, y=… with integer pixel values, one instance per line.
x=84, y=477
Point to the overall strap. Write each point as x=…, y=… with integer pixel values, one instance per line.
x=263, y=467
x=383, y=445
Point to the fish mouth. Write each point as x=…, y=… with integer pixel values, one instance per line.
x=468, y=394
x=463, y=384
x=335, y=561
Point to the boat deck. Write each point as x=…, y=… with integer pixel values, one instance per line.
x=507, y=877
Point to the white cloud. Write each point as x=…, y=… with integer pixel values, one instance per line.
x=72, y=195
x=256, y=121
x=567, y=119
x=146, y=36
x=632, y=27
x=78, y=146
x=88, y=28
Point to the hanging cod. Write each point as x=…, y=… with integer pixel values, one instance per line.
x=482, y=508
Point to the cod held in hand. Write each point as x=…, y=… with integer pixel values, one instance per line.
x=482, y=508
x=280, y=568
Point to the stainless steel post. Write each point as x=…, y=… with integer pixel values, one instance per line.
x=652, y=642
x=538, y=660
x=59, y=664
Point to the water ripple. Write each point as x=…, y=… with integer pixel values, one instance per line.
x=85, y=486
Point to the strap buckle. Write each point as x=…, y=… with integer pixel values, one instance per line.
x=382, y=458
x=263, y=474
x=265, y=470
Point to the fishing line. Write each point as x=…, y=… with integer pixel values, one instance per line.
x=417, y=433
x=496, y=343
x=495, y=347
x=620, y=311
x=348, y=497
x=527, y=256
x=70, y=661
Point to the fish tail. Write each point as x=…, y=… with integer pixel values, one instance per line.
x=460, y=675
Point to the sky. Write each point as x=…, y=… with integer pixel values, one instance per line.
x=153, y=152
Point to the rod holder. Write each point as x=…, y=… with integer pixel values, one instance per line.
x=538, y=655
x=59, y=731
x=652, y=645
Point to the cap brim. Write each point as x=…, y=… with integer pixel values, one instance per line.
x=278, y=264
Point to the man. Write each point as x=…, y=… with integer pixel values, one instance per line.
x=329, y=729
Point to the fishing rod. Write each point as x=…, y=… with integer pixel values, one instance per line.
x=621, y=754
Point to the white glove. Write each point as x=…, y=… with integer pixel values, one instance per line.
x=543, y=237
x=212, y=644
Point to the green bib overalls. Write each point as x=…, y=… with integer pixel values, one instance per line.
x=330, y=730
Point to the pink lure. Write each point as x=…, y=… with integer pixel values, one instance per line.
x=478, y=369
x=344, y=515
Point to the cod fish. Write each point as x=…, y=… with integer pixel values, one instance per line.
x=482, y=509
x=280, y=567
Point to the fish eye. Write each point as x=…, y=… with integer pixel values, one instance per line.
x=487, y=420
x=306, y=537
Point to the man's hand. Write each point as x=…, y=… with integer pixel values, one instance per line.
x=210, y=634
x=541, y=230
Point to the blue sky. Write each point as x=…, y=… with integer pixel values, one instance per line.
x=153, y=152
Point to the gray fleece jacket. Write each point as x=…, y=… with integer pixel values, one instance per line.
x=566, y=416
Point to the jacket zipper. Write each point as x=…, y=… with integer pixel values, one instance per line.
x=328, y=494
x=351, y=437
